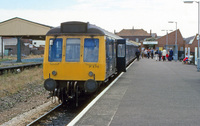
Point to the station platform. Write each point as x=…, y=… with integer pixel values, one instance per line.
x=150, y=93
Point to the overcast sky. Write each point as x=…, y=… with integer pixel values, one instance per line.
x=108, y=14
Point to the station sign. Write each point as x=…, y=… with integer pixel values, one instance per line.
x=150, y=42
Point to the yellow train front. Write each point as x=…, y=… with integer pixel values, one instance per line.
x=79, y=57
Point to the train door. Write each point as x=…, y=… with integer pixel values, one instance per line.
x=121, y=55
x=110, y=58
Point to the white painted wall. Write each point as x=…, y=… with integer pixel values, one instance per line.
x=37, y=43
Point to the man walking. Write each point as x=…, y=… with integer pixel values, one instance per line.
x=137, y=53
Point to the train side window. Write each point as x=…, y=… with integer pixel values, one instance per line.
x=110, y=50
x=73, y=50
x=55, y=50
x=91, y=50
x=121, y=50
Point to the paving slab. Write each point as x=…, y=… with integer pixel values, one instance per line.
x=150, y=93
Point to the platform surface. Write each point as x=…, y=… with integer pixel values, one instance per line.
x=150, y=93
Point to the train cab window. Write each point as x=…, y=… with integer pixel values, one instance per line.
x=121, y=50
x=73, y=50
x=55, y=50
x=91, y=50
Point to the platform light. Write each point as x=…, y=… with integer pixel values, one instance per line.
x=176, y=47
x=188, y=1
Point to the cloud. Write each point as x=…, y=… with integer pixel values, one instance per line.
x=117, y=14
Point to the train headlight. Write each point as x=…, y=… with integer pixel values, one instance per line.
x=91, y=74
x=50, y=84
x=54, y=73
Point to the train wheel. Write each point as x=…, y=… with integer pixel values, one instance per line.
x=63, y=96
x=76, y=95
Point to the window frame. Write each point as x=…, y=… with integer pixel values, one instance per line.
x=54, y=60
x=79, y=49
x=85, y=60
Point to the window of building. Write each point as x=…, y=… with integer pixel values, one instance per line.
x=137, y=39
x=181, y=49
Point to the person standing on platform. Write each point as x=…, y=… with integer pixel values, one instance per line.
x=152, y=52
x=156, y=54
x=137, y=53
x=170, y=54
x=159, y=55
x=142, y=53
x=167, y=56
x=164, y=53
x=148, y=53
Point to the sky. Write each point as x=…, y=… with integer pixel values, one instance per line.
x=108, y=14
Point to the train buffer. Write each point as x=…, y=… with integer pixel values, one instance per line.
x=150, y=93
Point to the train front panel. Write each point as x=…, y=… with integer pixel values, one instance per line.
x=75, y=58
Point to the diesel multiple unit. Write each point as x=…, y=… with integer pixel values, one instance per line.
x=79, y=57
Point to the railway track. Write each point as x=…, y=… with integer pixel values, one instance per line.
x=41, y=117
x=13, y=69
x=66, y=115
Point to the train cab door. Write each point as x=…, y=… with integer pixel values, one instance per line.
x=121, y=55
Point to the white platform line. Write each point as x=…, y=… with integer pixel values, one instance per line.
x=80, y=115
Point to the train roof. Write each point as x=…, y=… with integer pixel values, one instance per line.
x=80, y=28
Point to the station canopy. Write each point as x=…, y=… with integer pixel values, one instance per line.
x=18, y=27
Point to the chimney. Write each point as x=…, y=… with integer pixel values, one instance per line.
x=150, y=31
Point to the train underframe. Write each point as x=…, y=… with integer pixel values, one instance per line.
x=71, y=90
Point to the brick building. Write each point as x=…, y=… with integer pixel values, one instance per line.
x=168, y=41
x=191, y=43
x=191, y=48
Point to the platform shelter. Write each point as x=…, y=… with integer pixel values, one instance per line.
x=21, y=28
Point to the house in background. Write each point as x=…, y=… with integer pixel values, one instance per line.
x=136, y=35
x=191, y=47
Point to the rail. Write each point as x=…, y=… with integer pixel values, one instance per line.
x=20, y=67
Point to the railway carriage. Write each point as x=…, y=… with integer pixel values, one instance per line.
x=79, y=57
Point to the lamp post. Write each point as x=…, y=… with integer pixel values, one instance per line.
x=198, y=62
x=176, y=47
x=166, y=38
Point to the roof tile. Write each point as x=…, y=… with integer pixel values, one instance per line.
x=133, y=32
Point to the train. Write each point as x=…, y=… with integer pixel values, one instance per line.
x=79, y=57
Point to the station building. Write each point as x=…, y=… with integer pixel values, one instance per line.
x=150, y=40
x=15, y=32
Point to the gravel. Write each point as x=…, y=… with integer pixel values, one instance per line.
x=30, y=97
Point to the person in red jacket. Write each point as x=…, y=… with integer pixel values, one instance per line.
x=167, y=56
x=185, y=60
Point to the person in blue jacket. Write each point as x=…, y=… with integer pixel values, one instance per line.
x=170, y=54
x=159, y=55
x=137, y=53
